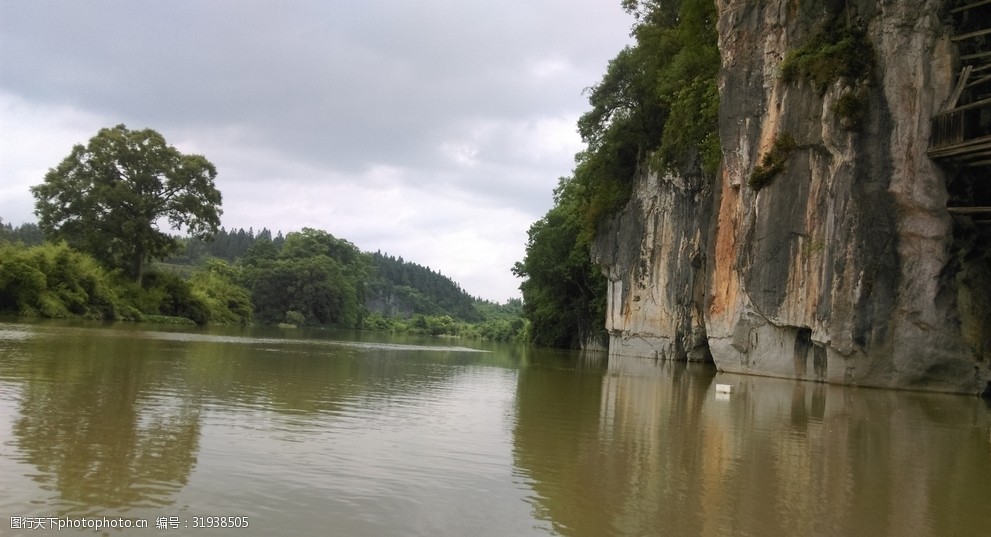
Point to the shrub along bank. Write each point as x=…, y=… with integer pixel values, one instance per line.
x=316, y=280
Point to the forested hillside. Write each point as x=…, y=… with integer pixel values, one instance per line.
x=393, y=287
x=399, y=288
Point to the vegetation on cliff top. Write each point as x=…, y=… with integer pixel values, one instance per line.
x=656, y=105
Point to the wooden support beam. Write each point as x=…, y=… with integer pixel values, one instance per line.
x=961, y=84
x=970, y=6
x=977, y=147
x=971, y=35
x=975, y=56
x=963, y=156
x=968, y=106
x=972, y=144
x=968, y=210
x=979, y=81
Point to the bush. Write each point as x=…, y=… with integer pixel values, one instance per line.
x=168, y=319
x=53, y=280
x=166, y=294
x=293, y=318
x=830, y=55
x=773, y=162
x=850, y=108
x=225, y=300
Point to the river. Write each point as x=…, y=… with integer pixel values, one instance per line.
x=269, y=431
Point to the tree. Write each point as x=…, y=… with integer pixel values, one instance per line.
x=315, y=278
x=108, y=197
x=563, y=293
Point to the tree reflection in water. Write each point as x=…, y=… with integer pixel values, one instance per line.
x=98, y=422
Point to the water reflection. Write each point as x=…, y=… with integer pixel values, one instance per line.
x=112, y=418
x=95, y=421
x=380, y=439
x=654, y=452
x=370, y=438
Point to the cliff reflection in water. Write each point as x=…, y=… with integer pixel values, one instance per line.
x=658, y=453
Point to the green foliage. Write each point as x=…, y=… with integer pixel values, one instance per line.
x=27, y=234
x=293, y=318
x=317, y=279
x=563, y=293
x=52, y=280
x=215, y=285
x=850, y=108
x=657, y=102
x=838, y=51
x=691, y=130
x=106, y=198
x=510, y=329
x=773, y=162
x=163, y=293
x=229, y=246
x=399, y=287
x=21, y=283
x=315, y=275
x=687, y=85
x=168, y=319
x=262, y=250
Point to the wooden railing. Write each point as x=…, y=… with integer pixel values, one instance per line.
x=963, y=134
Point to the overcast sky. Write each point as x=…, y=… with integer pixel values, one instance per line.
x=428, y=129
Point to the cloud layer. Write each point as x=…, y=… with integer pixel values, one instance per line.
x=430, y=129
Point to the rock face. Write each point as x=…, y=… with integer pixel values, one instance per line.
x=844, y=268
x=654, y=257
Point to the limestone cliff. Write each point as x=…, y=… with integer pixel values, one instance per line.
x=654, y=256
x=843, y=269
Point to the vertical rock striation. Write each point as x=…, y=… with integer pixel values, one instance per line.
x=842, y=268
x=653, y=255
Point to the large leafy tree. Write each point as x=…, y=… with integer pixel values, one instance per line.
x=108, y=197
x=315, y=278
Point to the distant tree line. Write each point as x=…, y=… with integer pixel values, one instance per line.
x=390, y=286
x=28, y=234
x=226, y=245
x=303, y=278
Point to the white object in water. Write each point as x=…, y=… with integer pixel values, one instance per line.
x=724, y=388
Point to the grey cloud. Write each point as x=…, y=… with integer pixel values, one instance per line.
x=323, y=92
x=338, y=82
